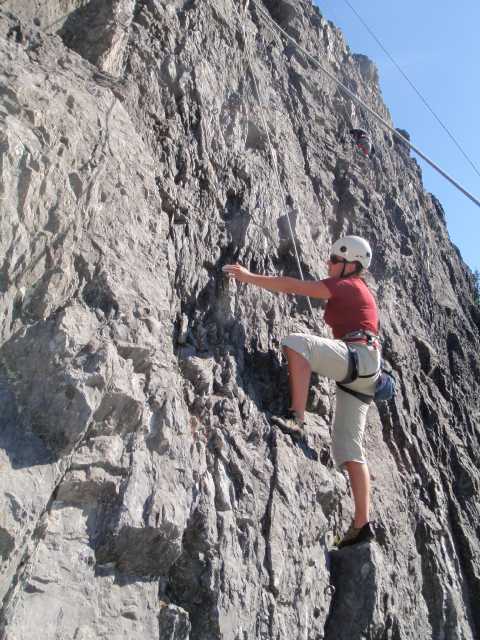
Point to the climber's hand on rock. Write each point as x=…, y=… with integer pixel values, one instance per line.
x=237, y=272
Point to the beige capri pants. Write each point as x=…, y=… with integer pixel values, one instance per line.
x=330, y=358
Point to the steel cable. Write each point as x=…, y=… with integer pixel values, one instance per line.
x=275, y=27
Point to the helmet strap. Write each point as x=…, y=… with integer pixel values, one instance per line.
x=358, y=268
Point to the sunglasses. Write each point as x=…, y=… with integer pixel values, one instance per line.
x=336, y=260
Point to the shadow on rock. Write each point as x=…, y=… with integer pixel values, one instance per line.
x=213, y=336
x=23, y=447
x=146, y=551
x=356, y=574
x=223, y=365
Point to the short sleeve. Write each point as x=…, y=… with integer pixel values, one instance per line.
x=333, y=285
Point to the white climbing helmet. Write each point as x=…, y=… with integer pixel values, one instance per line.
x=353, y=249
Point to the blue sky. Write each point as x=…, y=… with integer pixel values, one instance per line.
x=437, y=44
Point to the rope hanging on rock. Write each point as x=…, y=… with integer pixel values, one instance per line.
x=271, y=149
x=273, y=26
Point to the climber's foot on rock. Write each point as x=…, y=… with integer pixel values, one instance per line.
x=356, y=535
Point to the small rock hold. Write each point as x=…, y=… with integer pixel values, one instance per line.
x=183, y=331
x=131, y=614
x=174, y=622
x=171, y=69
x=20, y=297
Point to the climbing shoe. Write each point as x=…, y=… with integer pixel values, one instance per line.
x=355, y=536
x=290, y=424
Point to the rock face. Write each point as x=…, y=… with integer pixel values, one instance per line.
x=144, y=492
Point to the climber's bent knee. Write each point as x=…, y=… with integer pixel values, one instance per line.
x=326, y=357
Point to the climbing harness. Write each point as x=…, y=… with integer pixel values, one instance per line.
x=385, y=387
x=362, y=335
x=368, y=338
x=273, y=26
x=352, y=371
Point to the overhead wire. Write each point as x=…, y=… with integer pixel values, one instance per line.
x=273, y=26
x=417, y=91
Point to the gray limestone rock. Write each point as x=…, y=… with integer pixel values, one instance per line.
x=144, y=492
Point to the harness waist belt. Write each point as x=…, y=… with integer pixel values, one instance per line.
x=360, y=333
x=367, y=337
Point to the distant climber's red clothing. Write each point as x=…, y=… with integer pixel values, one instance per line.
x=351, y=307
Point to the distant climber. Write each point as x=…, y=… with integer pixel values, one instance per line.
x=352, y=359
x=363, y=142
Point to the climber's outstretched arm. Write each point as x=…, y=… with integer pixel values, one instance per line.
x=279, y=284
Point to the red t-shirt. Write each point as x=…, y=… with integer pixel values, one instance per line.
x=351, y=307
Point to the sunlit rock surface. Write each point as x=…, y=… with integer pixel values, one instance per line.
x=144, y=492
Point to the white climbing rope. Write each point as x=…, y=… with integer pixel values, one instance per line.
x=273, y=26
x=271, y=149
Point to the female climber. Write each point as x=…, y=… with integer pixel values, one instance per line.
x=352, y=359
